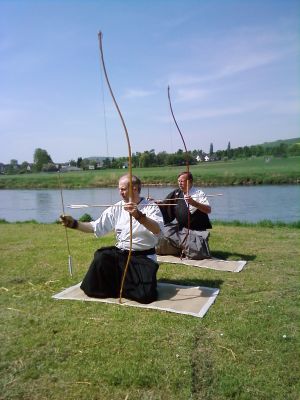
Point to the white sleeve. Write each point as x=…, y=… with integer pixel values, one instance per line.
x=105, y=223
x=154, y=213
x=201, y=198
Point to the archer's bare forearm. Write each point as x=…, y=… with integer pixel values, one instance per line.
x=85, y=227
x=202, y=207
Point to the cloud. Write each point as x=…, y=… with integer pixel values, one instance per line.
x=261, y=107
x=284, y=107
x=12, y=116
x=177, y=22
x=243, y=63
x=191, y=94
x=237, y=51
x=137, y=93
x=219, y=112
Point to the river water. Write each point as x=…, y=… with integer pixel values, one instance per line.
x=243, y=203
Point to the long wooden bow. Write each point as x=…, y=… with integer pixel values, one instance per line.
x=129, y=162
x=70, y=262
x=187, y=168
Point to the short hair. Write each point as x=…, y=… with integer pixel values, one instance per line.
x=135, y=181
x=188, y=174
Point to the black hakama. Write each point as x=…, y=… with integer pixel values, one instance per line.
x=104, y=276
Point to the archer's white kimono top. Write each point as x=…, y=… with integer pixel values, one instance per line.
x=116, y=218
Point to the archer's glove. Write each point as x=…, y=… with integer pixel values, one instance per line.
x=68, y=221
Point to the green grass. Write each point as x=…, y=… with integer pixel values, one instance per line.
x=246, y=347
x=237, y=172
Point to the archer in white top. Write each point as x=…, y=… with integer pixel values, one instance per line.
x=104, y=276
x=147, y=222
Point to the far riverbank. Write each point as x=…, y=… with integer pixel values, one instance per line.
x=254, y=171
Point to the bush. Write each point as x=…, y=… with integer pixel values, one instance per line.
x=85, y=218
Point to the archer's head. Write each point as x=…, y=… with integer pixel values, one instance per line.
x=185, y=181
x=124, y=187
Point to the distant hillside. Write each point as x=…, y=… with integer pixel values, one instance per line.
x=289, y=142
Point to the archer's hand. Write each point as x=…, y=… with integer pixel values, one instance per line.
x=132, y=208
x=188, y=199
x=67, y=221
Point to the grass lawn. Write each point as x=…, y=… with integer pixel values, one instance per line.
x=246, y=347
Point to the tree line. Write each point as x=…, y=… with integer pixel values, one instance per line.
x=42, y=161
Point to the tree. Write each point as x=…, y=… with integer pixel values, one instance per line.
x=40, y=158
x=257, y=150
x=247, y=151
x=24, y=167
x=238, y=152
x=161, y=158
x=152, y=156
x=145, y=159
x=12, y=167
x=229, y=152
x=294, y=149
x=79, y=162
x=280, y=151
x=106, y=163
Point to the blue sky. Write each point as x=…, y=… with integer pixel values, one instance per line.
x=232, y=67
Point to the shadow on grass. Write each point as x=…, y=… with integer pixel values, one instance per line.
x=225, y=255
x=213, y=283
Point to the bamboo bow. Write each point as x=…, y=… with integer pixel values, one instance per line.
x=70, y=262
x=129, y=160
x=187, y=169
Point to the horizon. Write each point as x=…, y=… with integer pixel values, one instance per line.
x=232, y=68
x=126, y=156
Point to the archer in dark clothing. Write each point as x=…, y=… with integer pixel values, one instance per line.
x=189, y=208
x=199, y=220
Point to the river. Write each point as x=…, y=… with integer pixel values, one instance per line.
x=243, y=203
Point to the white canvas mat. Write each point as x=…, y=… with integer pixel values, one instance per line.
x=190, y=300
x=211, y=263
